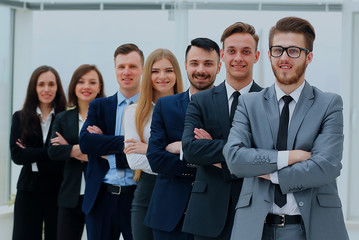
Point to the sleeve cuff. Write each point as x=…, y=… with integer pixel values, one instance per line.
x=181, y=153
x=282, y=161
x=274, y=178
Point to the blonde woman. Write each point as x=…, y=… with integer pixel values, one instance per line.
x=161, y=77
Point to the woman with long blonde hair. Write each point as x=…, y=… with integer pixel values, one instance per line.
x=161, y=77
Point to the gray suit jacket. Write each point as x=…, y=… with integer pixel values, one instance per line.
x=316, y=126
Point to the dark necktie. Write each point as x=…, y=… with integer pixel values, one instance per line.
x=279, y=198
x=236, y=182
x=235, y=96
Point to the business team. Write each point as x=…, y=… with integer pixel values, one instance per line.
x=233, y=161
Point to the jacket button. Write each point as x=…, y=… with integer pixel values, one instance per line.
x=301, y=204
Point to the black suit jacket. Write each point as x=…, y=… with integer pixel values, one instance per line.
x=49, y=176
x=67, y=124
x=211, y=191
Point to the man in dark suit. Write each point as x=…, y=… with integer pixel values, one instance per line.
x=207, y=124
x=287, y=141
x=175, y=176
x=109, y=181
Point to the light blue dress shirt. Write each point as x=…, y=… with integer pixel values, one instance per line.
x=115, y=176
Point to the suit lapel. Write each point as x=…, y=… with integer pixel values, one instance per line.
x=111, y=110
x=272, y=111
x=220, y=99
x=303, y=105
x=49, y=132
x=183, y=101
x=73, y=123
x=255, y=87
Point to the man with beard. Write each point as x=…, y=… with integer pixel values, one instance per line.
x=207, y=124
x=175, y=175
x=287, y=141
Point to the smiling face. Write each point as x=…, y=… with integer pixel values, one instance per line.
x=46, y=88
x=287, y=70
x=87, y=87
x=239, y=55
x=163, y=77
x=128, y=72
x=202, y=67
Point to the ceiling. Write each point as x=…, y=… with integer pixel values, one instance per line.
x=263, y=5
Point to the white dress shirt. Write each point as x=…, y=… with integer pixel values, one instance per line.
x=83, y=183
x=230, y=90
x=135, y=160
x=45, y=127
x=291, y=208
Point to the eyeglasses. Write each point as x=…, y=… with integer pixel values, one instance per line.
x=292, y=51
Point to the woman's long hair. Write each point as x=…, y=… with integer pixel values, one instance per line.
x=144, y=105
x=29, y=119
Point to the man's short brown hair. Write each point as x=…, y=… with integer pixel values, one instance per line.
x=294, y=25
x=127, y=48
x=240, y=27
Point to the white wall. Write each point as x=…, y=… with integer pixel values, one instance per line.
x=354, y=139
x=6, y=222
x=5, y=99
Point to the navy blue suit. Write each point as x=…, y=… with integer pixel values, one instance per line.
x=175, y=176
x=102, y=113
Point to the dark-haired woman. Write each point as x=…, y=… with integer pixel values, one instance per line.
x=86, y=85
x=40, y=178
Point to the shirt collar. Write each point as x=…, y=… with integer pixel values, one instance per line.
x=189, y=95
x=121, y=98
x=295, y=94
x=231, y=90
x=38, y=111
x=80, y=118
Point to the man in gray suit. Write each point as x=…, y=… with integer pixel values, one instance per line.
x=289, y=189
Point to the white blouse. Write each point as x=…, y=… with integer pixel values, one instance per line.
x=136, y=161
x=83, y=182
x=45, y=128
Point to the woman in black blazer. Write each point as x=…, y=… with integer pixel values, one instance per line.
x=40, y=178
x=86, y=85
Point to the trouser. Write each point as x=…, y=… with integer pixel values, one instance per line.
x=111, y=216
x=140, y=204
x=32, y=211
x=286, y=232
x=70, y=222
